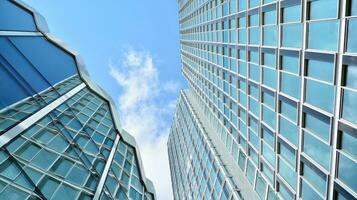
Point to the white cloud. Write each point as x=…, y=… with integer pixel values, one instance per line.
x=146, y=113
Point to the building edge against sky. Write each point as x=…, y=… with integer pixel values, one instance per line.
x=277, y=82
x=121, y=142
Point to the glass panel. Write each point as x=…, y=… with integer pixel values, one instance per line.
x=347, y=171
x=320, y=95
x=349, y=106
x=320, y=9
x=291, y=14
x=321, y=70
x=289, y=111
x=315, y=178
x=351, y=39
x=291, y=35
x=349, y=144
x=290, y=85
x=290, y=64
x=308, y=193
x=270, y=35
x=317, y=126
x=317, y=35
x=317, y=150
x=351, y=76
x=287, y=173
x=288, y=130
x=13, y=18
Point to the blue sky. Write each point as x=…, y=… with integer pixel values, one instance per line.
x=131, y=49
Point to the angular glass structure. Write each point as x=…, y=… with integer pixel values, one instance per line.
x=273, y=86
x=60, y=135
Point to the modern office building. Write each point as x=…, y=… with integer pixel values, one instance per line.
x=272, y=99
x=60, y=135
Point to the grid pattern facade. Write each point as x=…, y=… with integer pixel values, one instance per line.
x=196, y=170
x=278, y=81
x=59, y=138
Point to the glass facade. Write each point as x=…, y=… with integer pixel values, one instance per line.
x=280, y=94
x=59, y=136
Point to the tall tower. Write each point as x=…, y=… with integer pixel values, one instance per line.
x=60, y=133
x=271, y=103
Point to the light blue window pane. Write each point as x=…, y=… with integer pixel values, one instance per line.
x=290, y=64
x=321, y=70
x=254, y=57
x=254, y=20
x=291, y=14
x=292, y=35
x=349, y=144
x=288, y=154
x=269, y=99
x=254, y=106
x=317, y=36
x=242, y=68
x=56, y=58
x=250, y=172
x=242, y=22
x=290, y=85
x=269, y=59
x=288, y=111
x=269, y=154
x=254, y=35
x=268, y=1
x=254, y=140
x=260, y=186
x=320, y=95
x=270, y=17
x=268, y=137
x=269, y=117
x=349, y=106
x=308, y=193
x=315, y=178
x=254, y=3
x=320, y=9
x=351, y=76
x=242, y=36
x=347, y=171
x=242, y=5
x=270, y=34
x=287, y=173
x=351, y=37
x=317, y=126
x=269, y=77
x=254, y=72
x=65, y=192
x=285, y=193
x=13, y=18
x=288, y=130
x=353, y=7
x=317, y=150
x=232, y=6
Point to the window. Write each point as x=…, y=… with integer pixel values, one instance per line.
x=269, y=77
x=288, y=173
x=254, y=36
x=242, y=5
x=270, y=34
x=351, y=39
x=290, y=85
x=13, y=18
x=322, y=70
x=291, y=14
x=347, y=171
x=291, y=35
x=288, y=110
x=317, y=37
x=260, y=186
x=254, y=3
x=290, y=63
x=317, y=150
x=288, y=130
x=320, y=9
x=315, y=178
x=320, y=95
x=350, y=93
x=352, y=9
x=269, y=17
x=318, y=126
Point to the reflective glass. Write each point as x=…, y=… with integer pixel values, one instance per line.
x=347, y=171
x=287, y=173
x=320, y=95
x=349, y=144
x=242, y=5
x=320, y=9
x=317, y=150
x=254, y=3
x=321, y=70
x=270, y=17
x=308, y=193
x=315, y=178
x=288, y=130
x=269, y=77
x=290, y=85
x=254, y=35
x=351, y=37
x=351, y=76
x=288, y=110
x=317, y=36
x=290, y=64
x=291, y=14
x=291, y=35
x=13, y=18
x=270, y=34
x=317, y=126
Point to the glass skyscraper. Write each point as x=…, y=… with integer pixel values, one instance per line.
x=60, y=136
x=271, y=108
